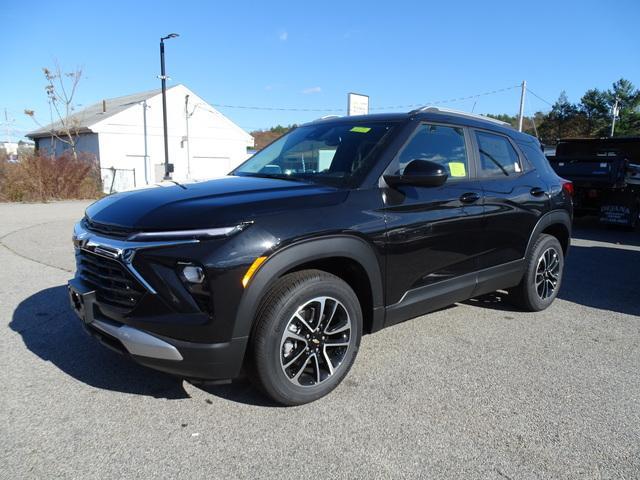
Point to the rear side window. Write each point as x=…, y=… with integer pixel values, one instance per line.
x=536, y=157
x=498, y=158
x=441, y=144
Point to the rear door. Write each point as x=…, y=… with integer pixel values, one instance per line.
x=515, y=196
x=433, y=233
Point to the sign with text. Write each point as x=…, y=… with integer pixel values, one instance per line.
x=357, y=104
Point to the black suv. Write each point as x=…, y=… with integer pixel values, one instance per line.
x=343, y=226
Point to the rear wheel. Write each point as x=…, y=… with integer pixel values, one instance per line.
x=543, y=275
x=306, y=338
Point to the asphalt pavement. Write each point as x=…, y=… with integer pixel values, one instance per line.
x=477, y=390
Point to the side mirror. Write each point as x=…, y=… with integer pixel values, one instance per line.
x=419, y=173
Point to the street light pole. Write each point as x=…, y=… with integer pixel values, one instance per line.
x=615, y=111
x=168, y=168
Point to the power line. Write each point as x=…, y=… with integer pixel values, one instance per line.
x=389, y=107
x=539, y=97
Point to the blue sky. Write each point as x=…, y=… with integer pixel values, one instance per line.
x=310, y=54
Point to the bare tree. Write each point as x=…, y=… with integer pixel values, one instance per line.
x=61, y=88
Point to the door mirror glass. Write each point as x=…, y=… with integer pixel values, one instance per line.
x=419, y=173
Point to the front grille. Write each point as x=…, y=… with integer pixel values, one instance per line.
x=106, y=229
x=111, y=280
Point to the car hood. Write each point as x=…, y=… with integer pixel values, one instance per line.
x=220, y=202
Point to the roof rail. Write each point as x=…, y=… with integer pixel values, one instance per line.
x=476, y=116
x=327, y=117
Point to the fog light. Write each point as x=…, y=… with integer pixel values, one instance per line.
x=193, y=274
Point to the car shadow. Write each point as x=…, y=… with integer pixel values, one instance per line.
x=588, y=228
x=240, y=391
x=607, y=278
x=52, y=331
x=494, y=301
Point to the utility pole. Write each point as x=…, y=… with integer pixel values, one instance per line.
x=168, y=168
x=522, y=95
x=146, y=152
x=615, y=111
x=186, y=117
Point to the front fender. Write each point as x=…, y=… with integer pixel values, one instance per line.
x=296, y=254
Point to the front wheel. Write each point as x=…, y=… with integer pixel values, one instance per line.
x=306, y=338
x=544, y=266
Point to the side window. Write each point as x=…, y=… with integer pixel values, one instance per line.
x=535, y=156
x=440, y=144
x=498, y=158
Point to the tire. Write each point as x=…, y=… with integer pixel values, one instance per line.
x=306, y=337
x=542, y=278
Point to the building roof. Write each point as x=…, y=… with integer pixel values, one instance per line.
x=85, y=118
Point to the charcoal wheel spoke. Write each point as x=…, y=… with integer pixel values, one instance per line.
x=327, y=360
x=294, y=359
x=300, y=371
x=336, y=343
x=303, y=321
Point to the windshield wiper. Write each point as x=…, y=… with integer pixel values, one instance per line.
x=178, y=184
x=278, y=176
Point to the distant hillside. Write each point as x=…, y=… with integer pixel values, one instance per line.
x=265, y=137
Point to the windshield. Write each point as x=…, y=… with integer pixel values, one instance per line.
x=333, y=154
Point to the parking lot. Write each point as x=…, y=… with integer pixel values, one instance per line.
x=477, y=390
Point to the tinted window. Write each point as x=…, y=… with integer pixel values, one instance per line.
x=335, y=154
x=536, y=157
x=497, y=156
x=439, y=144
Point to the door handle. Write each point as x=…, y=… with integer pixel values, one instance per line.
x=470, y=197
x=538, y=192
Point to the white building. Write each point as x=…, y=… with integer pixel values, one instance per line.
x=126, y=136
x=10, y=149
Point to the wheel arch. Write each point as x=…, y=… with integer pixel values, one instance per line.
x=323, y=253
x=556, y=223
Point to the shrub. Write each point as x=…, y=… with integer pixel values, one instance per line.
x=39, y=178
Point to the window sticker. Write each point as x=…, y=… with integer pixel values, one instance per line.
x=457, y=169
x=360, y=129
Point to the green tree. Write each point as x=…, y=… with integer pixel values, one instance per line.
x=594, y=106
x=629, y=102
x=564, y=120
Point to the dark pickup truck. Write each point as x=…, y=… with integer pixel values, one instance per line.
x=606, y=176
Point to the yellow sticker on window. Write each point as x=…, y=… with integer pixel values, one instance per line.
x=360, y=129
x=457, y=169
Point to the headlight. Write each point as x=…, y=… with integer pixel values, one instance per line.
x=203, y=233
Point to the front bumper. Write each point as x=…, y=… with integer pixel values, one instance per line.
x=204, y=361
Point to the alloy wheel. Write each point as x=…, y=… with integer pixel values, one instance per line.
x=315, y=341
x=547, y=273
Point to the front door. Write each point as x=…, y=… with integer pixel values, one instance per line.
x=433, y=233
